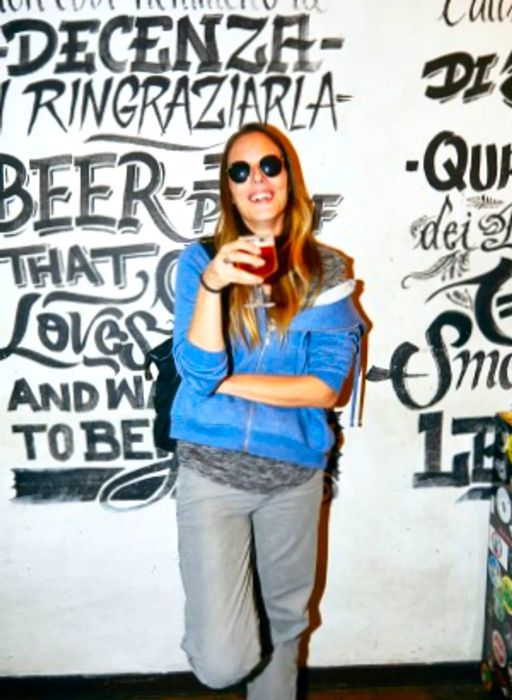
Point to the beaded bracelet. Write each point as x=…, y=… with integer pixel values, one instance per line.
x=208, y=289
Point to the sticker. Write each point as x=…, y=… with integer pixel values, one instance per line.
x=486, y=676
x=500, y=467
x=504, y=689
x=498, y=649
x=494, y=571
x=503, y=505
x=506, y=593
x=499, y=605
x=498, y=547
x=508, y=448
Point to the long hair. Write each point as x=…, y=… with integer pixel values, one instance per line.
x=300, y=268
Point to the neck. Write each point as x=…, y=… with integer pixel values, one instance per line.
x=266, y=228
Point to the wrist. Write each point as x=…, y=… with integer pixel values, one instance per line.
x=210, y=285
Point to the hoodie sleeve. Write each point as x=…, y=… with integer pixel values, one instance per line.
x=334, y=332
x=331, y=356
x=202, y=369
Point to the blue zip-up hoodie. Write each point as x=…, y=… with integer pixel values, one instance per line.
x=321, y=341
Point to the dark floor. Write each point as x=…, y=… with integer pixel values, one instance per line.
x=438, y=682
x=406, y=693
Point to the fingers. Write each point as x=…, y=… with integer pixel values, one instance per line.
x=238, y=257
x=225, y=267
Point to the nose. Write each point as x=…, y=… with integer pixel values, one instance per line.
x=256, y=173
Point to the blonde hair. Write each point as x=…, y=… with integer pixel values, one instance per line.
x=299, y=258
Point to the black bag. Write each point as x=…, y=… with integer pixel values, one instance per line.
x=167, y=381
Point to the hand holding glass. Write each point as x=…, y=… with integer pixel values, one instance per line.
x=266, y=244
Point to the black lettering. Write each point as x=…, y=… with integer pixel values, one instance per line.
x=100, y=433
x=48, y=194
x=108, y=330
x=162, y=84
x=275, y=101
x=142, y=43
x=89, y=193
x=72, y=47
x=145, y=195
x=24, y=27
x=491, y=163
x=28, y=432
x=53, y=332
x=251, y=24
x=217, y=82
x=481, y=86
x=480, y=427
x=85, y=397
x=118, y=256
x=79, y=266
x=4, y=88
x=454, y=169
x=14, y=192
x=180, y=91
x=22, y=395
x=60, y=442
x=207, y=50
x=315, y=107
x=301, y=44
x=46, y=93
x=41, y=268
x=400, y=359
x=120, y=109
x=458, y=69
x=432, y=425
x=130, y=437
x=125, y=25
x=89, y=98
x=249, y=101
x=478, y=358
x=450, y=21
x=506, y=85
x=118, y=392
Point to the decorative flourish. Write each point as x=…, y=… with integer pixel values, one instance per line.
x=115, y=488
x=419, y=224
x=142, y=486
x=153, y=143
x=496, y=229
x=484, y=201
x=460, y=297
x=91, y=299
x=447, y=267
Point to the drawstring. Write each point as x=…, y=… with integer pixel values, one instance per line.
x=355, y=389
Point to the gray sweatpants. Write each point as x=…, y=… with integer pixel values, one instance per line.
x=221, y=532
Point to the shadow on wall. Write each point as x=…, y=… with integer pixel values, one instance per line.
x=351, y=386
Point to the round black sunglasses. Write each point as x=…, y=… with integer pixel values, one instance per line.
x=270, y=166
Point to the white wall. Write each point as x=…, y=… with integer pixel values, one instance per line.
x=86, y=588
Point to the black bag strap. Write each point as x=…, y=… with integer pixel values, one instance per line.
x=162, y=351
x=208, y=244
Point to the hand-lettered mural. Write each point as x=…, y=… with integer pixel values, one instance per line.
x=113, y=116
x=125, y=114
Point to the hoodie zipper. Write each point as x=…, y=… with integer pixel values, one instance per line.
x=266, y=341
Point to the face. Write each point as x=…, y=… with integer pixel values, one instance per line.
x=261, y=200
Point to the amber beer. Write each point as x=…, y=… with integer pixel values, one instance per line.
x=269, y=255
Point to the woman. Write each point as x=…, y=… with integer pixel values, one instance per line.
x=250, y=417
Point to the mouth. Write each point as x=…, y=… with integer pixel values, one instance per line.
x=259, y=197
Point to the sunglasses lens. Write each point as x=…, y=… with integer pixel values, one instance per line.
x=239, y=171
x=271, y=165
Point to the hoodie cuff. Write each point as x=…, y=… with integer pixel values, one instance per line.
x=204, y=369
